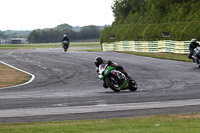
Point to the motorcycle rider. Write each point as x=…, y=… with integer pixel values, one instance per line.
x=65, y=42
x=192, y=46
x=99, y=60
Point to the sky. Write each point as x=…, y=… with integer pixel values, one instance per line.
x=40, y=14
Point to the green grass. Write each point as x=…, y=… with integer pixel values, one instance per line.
x=89, y=50
x=170, y=56
x=48, y=45
x=189, y=123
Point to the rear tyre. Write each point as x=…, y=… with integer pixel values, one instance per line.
x=112, y=83
x=132, y=85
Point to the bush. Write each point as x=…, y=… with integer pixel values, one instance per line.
x=180, y=31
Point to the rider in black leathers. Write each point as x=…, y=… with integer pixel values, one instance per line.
x=193, y=45
x=65, y=42
x=99, y=60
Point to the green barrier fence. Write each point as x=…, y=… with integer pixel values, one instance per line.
x=181, y=47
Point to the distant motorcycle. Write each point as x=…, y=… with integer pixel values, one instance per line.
x=115, y=79
x=65, y=45
x=196, y=56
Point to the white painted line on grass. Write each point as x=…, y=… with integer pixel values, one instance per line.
x=32, y=76
x=21, y=112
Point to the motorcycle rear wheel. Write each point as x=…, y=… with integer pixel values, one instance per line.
x=132, y=85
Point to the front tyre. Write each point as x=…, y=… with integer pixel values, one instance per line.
x=112, y=83
x=65, y=50
x=65, y=47
x=132, y=85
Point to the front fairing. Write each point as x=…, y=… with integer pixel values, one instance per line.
x=104, y=70
x=108, y=70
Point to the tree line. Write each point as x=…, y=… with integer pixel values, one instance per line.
x=13, y=34
x=53, y=35
x=155, y=11
x=148, y=19
x=56, y=34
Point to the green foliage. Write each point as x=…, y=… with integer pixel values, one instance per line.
x=2, y=35
x=148, y=19
x=56, y=34
x=53, y=35
x=63, y=26
x=155, y=11
x=151, y=32
x=13, y=34
x=90, y=32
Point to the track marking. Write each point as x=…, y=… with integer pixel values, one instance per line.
x=32, y=76
x=95, y=108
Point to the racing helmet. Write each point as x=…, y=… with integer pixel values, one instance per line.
x=64, y=35
x=98, y=60
x=193, y=40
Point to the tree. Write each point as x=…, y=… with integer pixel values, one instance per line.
x=2, y=35
x=56, y=34
x=90, y=32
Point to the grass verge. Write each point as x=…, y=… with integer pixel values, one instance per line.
x=188, y=123
x=48, y=45
x=10, y=76
x=169, y=56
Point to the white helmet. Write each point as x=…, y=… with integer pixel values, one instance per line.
x=193, y=40
x=64, y=35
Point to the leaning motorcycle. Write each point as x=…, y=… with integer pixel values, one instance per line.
x=65, y=45
x=115, y=79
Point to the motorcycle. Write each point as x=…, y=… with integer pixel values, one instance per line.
x=115, y=79
x=65, y=45
x=196, y=56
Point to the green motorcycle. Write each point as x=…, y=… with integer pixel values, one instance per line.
x=115, y=79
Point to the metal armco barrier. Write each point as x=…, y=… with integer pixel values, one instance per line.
x=181, y=47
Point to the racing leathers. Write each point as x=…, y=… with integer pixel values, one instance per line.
x=192, y=46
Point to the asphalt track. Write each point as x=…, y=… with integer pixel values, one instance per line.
x=66, y=87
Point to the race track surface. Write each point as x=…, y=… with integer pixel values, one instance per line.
x=66, y=87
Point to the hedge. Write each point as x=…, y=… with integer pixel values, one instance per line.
x=180, y=31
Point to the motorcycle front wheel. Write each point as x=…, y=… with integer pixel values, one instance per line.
x=112, y=83
x=65, y=47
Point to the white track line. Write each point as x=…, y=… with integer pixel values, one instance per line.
x=21, y=112
x=32, y=76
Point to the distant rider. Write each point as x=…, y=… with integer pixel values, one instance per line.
x=99, y=60
x=193, y=45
